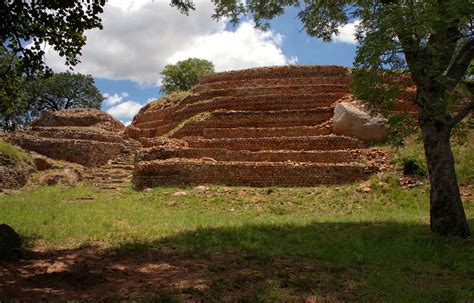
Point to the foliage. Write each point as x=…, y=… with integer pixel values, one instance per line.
x=13, y=97
x=63, y=91
x=26, y=28
x=172, y=99
x=23, y=97
x=183, y=75
x=28, y=25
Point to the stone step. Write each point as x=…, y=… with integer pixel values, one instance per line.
x=282, y=90
x=318, y=93
x=270, y=102
x=263, y=83
x=119, y=166
x=260, y=132
x=332, y=142
x=281, y=72
x=260, y=119
x=194, y=172
x=77, y=133
x=220, y=154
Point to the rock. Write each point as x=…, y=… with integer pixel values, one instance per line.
x=208, y=159
x=352, y=121
x=180, y=193
x=82, y=117
x=201, y=189
x=10, y=242
x=66, y=176
x=41, y=162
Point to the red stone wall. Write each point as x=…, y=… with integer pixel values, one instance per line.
x=278, y=143
x=261, y=132
x=158, y=173
x=280, y=72
x=85, y=152
x=220, y=154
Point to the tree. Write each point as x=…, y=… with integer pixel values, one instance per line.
x=13, y=98
x=24, y=97
x=63, y=91
x=433, y=40
x=184, y=74
x=27, y=25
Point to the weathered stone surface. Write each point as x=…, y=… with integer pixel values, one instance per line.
x=86, y=136
x=12, y=173
x=41, y=162
x=10, y=242
x=352, y=121
x=82, y=117
x=66, y=176
x=256, y=127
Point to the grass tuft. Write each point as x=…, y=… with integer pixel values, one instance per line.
x=14, y=152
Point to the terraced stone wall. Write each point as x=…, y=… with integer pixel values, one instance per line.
x=258, y=127
x=86, y=152
x=157, y=173
x=221, y=154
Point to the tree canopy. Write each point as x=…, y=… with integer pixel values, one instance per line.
x=184, y=75
x=432, y=40
x=27, y=25
x=26, y=28
x=63, y=91
x=25, y=97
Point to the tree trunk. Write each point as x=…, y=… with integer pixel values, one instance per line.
x=447, y=217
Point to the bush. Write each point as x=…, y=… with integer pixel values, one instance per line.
x=412, y=166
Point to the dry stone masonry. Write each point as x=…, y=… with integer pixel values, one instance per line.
x=88, y=137
x=256, y=127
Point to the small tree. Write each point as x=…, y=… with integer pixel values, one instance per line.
x=63, y=91
x=433, y=40
x=184, y=74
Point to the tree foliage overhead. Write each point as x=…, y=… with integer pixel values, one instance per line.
x=184, y=75
x=63, y=91
x=27, y=25
x=432, y=40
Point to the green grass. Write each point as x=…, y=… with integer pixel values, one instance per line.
x=329, y=242
x=379, y=241
x=15, y=153
x=463, y=158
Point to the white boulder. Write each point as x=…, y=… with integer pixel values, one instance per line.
x=352, y=121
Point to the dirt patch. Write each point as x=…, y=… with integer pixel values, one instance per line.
x=162, y=274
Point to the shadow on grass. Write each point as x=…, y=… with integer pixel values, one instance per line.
x=386, y=261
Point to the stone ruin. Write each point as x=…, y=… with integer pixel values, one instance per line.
x=256, y=127
x=88, y=137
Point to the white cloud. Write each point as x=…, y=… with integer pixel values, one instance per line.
x=244, y=48
x=115, y=98
x=125, y=111
x=141, y=36
x=347, y=33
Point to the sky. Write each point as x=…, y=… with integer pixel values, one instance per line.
x=141, y=36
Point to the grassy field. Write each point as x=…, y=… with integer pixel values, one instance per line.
x=327, y=242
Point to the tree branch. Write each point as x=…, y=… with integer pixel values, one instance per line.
x=460, y=63
x=461, y=115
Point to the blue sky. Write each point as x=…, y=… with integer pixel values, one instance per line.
x=141, y=36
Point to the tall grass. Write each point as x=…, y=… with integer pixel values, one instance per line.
x=15, y=153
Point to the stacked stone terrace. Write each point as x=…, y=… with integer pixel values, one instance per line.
x=88, y=137
x=257, y=127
